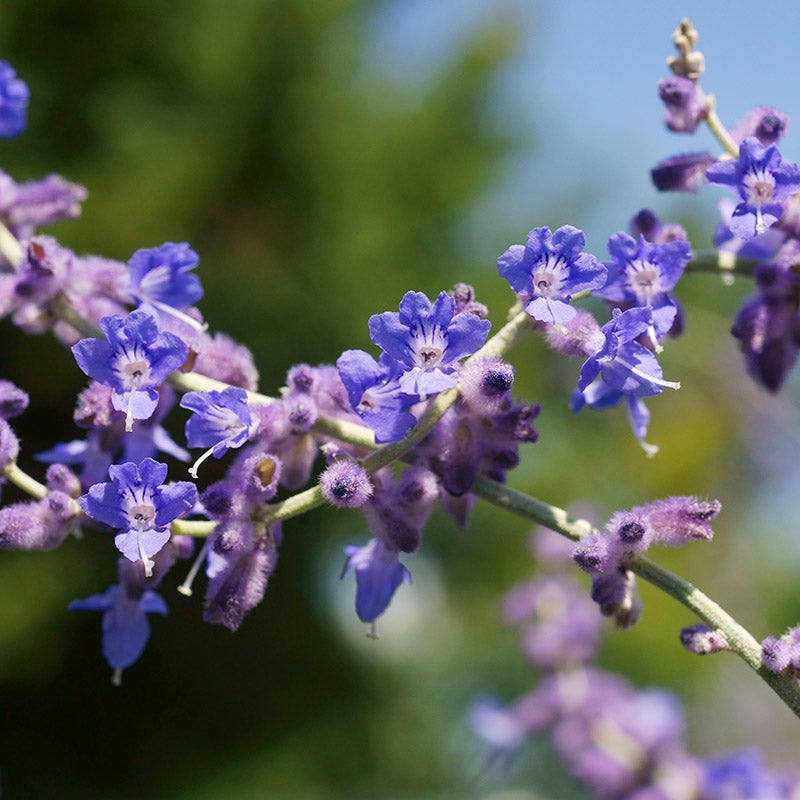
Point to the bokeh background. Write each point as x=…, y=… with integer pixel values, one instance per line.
x=323, y=157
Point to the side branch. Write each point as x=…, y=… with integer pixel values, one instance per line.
x=739, y=638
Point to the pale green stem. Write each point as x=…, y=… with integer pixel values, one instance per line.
x=718, y=129
x=23, y=481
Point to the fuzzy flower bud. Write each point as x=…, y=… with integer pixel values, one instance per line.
x=702, y=639
x=485, y=384
x=346, y=484
x=13, y=401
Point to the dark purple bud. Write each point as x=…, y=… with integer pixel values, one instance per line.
x=300, y=378
x=460, y=458
x=683, y=173
x=464, y=295
x=647, y=224
x=766, y=124
x=702, y=639
x=222, y=358
x=217, y=499
x=591, y=555
x=239, y=583
x=258, y=475
x=13, y=401
x=303, y=412
x=485, y=383
x=776, y=654
x=39, y=524
x=94, y=408
x=685, y=103
x=678, y=520
x=61, y=478
x=346, y=484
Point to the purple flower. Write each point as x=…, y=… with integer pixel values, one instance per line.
x=641, y=273
x=378, y=575
x=766, y=124
x=427, y=340
x=240, y=563
x=14, y=96
x=682, y=173
x=623, y=369
x=768, y=327
x=221, y=421
x=742, y=775
x=761, y=179
x=646, y=223
x=13, y=401
x=373, y=388
x=548, y=270
x=685, y=103
x=25, y=206
x=137, y=502
x=161, y=277
x=126, y=628
x=134, y=361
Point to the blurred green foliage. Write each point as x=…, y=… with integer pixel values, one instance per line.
x=316, y=191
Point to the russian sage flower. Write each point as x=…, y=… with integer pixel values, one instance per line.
x=682, y=173
x=762, y=180
x=161, y=280
x=134, y=361
x=378, y=572
x=126, y=629
x=373, y=388
x=138, y=503
x=14, y=96
x=221, y=421
x=684, y=101
x=623, y=369
x=641, y=273
x=427, y=340
x=548, y=270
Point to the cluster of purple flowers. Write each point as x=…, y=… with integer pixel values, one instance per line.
x=618, y=741
x=762, y=225
x=620, y=357
x=135, y=331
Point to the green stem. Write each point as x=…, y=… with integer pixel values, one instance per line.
x=23, y=481
x=718, y=129
x=723, y=263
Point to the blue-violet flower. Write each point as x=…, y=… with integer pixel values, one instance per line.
x=134, y=361
x=138, y=503
x=761, y=179
x=428, y=339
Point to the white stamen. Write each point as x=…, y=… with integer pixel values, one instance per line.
x=373, y=630
x=116, y=677
x=186, y=587
x=129, y=414
x=649, y=378
x=193, y=468
x=173, y=312
x=147, y=562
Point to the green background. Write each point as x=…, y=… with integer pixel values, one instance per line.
x=317, y=190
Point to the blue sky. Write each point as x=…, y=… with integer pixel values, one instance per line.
x=586, y=74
